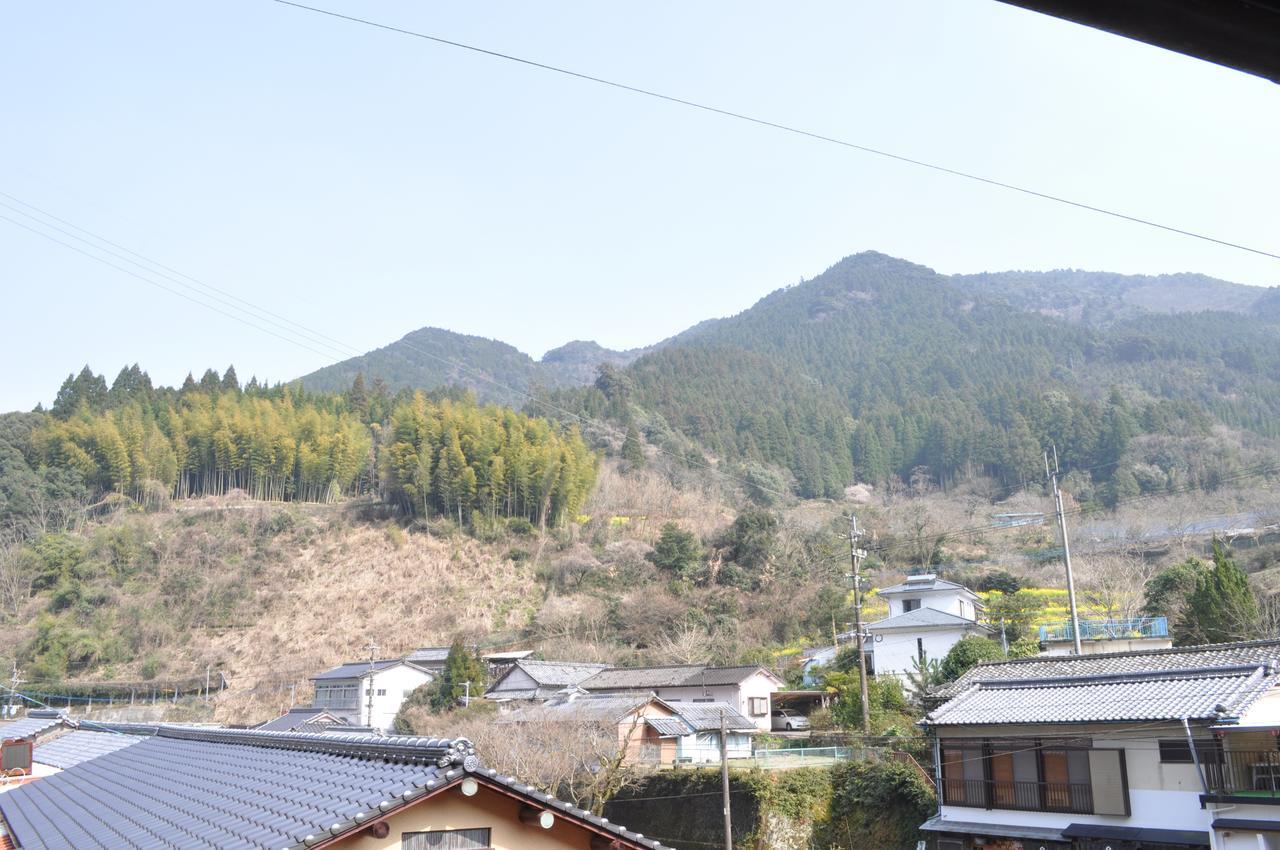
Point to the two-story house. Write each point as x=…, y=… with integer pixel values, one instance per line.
x=927, y=616
x=748, y=689
x=368, y=693
x=1152, y=750
x=528, y=679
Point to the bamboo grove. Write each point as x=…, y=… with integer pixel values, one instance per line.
x=439, y=456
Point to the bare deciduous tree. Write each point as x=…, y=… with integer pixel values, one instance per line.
x=1115, y=582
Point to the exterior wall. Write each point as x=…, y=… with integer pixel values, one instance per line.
x=515, y=680
x=1237, y=839
x=1104, y=647
x=955, y=602
x=398, y=682
x=895, y=651
x=635, y=736
x=704, y=747
x=758, y=685
x=1264, y=712
x=450, y=809
x=1162, y=796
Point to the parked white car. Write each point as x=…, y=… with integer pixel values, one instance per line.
x=786, y=720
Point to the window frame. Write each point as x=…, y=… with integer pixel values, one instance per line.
x=487, y=838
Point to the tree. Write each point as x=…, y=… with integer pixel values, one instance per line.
x=463, y=671
x=677, y=551
x=1000, y=580
x=632, y=451
x=924, y=675
x=967, y=653
x=1222, y=608
x=749, y=541
x=1014, y=612
x=1166, y=594
x=1115, y=583
x=230, y=383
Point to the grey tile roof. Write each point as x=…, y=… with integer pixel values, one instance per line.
x=705, y=717
x=590, y=708
x=558, y=674
x=668, y=727
x=678, y=676
x=33, y=725
x=225, y=789
x=77, y=746
x=1151, y=695
x=923, y=618
x=1181, y=658
x=298, y=717
x=933, y=583
x=355, y=669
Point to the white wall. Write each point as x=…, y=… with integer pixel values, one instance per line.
x=757, y=685
x=894, y=652
x=956, y=602
x=1236, y=839
x=514, y=680
x=390, y=687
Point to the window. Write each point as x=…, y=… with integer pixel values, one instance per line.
x=910, y=605
x=1178, y=751
x=758, y=706
x=445, y=839
x=340, y=696
x=382, y=692
x=704, y=699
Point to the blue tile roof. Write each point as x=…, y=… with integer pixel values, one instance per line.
x=187, y=788
x=34, y=724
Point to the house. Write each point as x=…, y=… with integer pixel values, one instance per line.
x=429, y=657
x=178, y=788
x=1171, y=749
x=368, y=693
x=748, y=689
x=651, y=730
x=539, y=680
x=50, y=742
x=303, y=719
x=927, y=616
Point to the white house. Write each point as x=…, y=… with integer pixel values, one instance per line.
x=748, y=689
x=927, y=616
x=368, y=693
x=1169, y=749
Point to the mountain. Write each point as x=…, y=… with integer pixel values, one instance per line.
x=500, y=373
x=1102, y=298
x=880, y=367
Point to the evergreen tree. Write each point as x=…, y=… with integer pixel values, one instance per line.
x=230, y=383
x=461, y=666
x=677, y=551
x=632, y=452
x=1222, y=608
x=968, y=652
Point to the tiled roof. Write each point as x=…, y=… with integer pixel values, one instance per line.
x=301, y=718
x=79, y=745
x=923, y=618
x=428, y=654
x=930, y=583
x=359, y=669
x=590, y=708
x=560, y=674
x=223, y=789
x=679, y=676
x=1182, y=658
x=34, y=724
x=705, y=717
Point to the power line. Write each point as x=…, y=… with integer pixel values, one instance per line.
x=456, y=364
x=786, y=128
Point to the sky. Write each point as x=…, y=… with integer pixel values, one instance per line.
x=362, y=184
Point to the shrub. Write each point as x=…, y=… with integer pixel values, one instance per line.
x=876, y=804
x=967, y=653
x=1000, y=580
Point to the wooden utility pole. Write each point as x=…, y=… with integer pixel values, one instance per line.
x=855, y=557
x=724, y=783
x=1066, y=548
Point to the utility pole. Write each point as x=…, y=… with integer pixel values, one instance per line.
x=466, y=695
x=14, y=681
x=855, y=557
x=207, y=670
x=724, y=783
x=1066, y=547
x=373, y=653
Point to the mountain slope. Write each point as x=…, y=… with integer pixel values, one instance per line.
x=429, y=358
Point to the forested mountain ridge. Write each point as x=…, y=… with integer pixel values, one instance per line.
x=429, y=358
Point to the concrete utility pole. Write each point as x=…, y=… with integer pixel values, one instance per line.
x=14, y=681
x=724, y=783
x=855, y=557
x=1066, y=547
x=373, y=653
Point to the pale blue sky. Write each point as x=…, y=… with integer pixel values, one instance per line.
x=366, y=184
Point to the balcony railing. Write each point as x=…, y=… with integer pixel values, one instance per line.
x=1243, y=773
x=1131, y=627
x=1069, y=797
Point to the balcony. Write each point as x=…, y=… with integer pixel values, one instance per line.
x=1244, y=775
x=1068, y=797
x=1132, y=627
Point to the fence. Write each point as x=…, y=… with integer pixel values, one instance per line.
x=1108, y=629
x=779, y=759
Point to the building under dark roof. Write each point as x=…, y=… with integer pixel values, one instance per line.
x=36, y=723
x=674, y=676
x=305, y=718
x=185, y=788
x=537, y=680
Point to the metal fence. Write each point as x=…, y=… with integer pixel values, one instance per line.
x=1147, y=627
x=810, y=756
